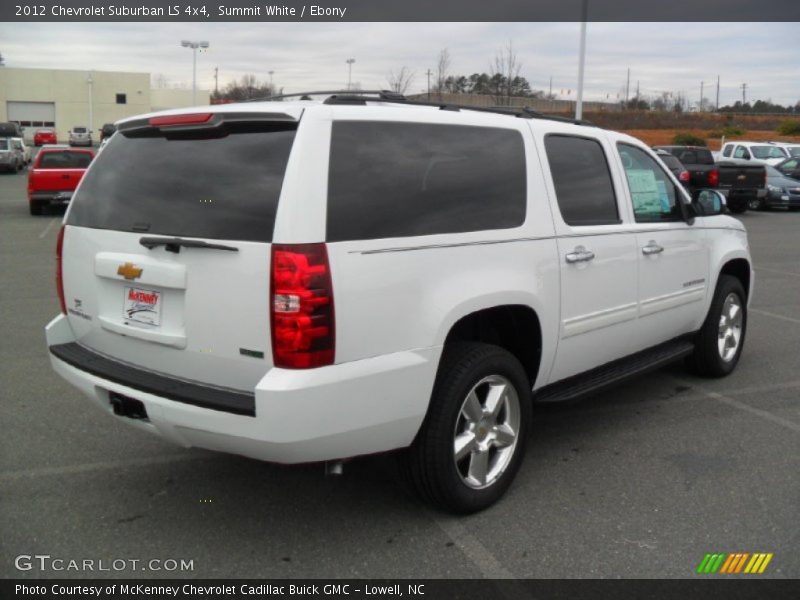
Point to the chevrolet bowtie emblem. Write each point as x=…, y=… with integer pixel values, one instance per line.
x=129, y=271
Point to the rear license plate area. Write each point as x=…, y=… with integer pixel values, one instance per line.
x=142, y=306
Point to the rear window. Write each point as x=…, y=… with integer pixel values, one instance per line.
x=79, y=130
x=696, y=156
x=219, y=188
x=391, y=179
x=64, y=159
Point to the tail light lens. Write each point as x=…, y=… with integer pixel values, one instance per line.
x=713, y=178
x=59, y=270
x=302, y=314
x=684, y=176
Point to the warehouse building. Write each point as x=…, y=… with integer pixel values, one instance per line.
x=61, y=99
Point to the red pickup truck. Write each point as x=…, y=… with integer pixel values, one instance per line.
x=54, y=176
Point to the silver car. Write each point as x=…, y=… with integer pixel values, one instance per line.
x=10, y=158
x=80, y=136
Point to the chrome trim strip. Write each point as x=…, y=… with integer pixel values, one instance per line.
x=672, y=300
x=527, y=239
x=598, y=320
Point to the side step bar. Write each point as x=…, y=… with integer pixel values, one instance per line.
x=610, y=374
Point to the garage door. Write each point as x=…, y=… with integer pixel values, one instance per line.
x=32, y=115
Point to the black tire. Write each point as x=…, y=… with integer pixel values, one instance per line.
x=36, y=208
x=706, y=360
x=430, y=463
x=737, y=207
x=755, y=204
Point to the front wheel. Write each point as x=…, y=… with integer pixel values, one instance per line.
x=719, y=342
x=472, y=442
x=755, y=204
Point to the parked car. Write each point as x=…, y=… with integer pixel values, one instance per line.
x=10, y=129
x=674, y=165
x=790, y=167
x=19, y=144
x=767, y=153
x=55, y=174
x=782, y=191
x=107, y=131
x=80, y=136
x=380, y=276
x=44, y=136
x=11, y=158
x=740, y=181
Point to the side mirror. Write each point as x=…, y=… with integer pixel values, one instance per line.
x=707, y=203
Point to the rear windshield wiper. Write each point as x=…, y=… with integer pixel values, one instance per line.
x=174, y=244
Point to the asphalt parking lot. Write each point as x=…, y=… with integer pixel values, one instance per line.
x=642, y=481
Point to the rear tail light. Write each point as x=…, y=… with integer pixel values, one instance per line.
x=302, y=314
x=713, y=178
x=59, y=270
x=684, y=176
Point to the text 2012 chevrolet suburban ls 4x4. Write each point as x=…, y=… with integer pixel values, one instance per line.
x=314, y=280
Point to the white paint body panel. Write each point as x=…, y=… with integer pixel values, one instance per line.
x=395, y=301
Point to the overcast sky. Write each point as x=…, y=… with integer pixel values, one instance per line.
x=662, y=56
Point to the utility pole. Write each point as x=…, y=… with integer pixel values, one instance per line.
x=744, y=94
x=582, y=60
x=216, y=80
x=717, y=104
x=271, y=88
x=428, y=73
x=627, y=87
x=550, y=94
x=702, y=83
x=350, y=62
x=90, y=81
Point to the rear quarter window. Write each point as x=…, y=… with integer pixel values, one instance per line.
x=398, y=179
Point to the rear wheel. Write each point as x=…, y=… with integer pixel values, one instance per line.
x=755, y=204
x=472, y=441
x=36, y=208
x=719, y=342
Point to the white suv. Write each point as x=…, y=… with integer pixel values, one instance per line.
x=314, y=280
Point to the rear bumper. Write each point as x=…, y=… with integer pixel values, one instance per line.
x=362, y=407
x=51, y=197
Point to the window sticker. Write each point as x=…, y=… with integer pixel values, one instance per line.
x=644, y=192
x=663, y=196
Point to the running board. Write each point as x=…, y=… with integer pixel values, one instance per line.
x=615, y=372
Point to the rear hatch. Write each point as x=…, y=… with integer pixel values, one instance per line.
x=167, y=246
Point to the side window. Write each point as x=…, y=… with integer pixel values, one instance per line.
x=741, y=152
x=582, y=180
x=727, y=151
x=396, y=179
x=653, y=194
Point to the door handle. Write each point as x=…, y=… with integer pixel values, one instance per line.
x=580, y=254
x=652, y=248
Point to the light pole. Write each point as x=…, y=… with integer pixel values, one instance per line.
x=194, y=46
x=90, y=82
x=350, y=62
x=582, y=60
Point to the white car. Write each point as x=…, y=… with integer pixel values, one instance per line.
x=792, y=149
x=315, y=280
x=767, y=153
x=19, y=144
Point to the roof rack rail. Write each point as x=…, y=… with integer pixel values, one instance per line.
x=360, y=97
